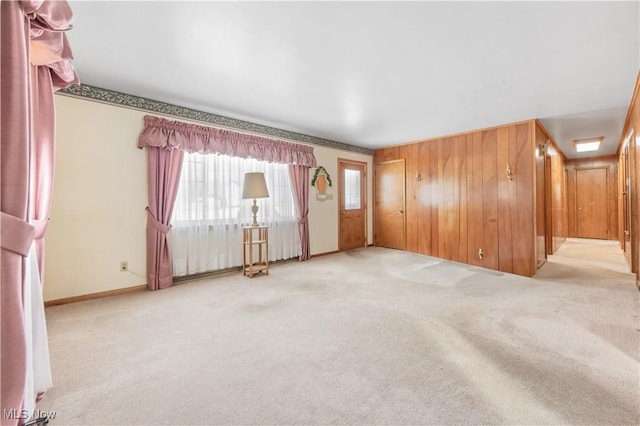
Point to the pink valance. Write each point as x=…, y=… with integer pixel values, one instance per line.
x=159, y=132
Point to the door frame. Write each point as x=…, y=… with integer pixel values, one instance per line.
x=364, y=198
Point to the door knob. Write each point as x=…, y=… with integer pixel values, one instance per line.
x=401, y=211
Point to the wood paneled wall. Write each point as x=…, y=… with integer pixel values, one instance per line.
x=554, y=232
x=632, y=129
x=459, y=198
x=542, y=202
x=558, y=196
x=611, y=164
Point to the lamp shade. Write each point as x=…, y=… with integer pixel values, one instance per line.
x=254, y=186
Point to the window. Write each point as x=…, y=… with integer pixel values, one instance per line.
x=209, y=213
x=351, y=189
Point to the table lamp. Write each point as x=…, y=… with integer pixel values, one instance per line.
x=254, y=187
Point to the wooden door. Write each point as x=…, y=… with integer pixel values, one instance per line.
x=352, y=201
x=389, y=206
x=591, y=203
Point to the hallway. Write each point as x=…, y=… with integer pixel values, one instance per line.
x=587, y=262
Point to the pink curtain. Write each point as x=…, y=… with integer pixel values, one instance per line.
x=300, y=186
x=209, y=140
x=42, y=158
x=35, y=61
x=164, y=167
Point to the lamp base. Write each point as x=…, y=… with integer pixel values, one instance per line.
x=254, y=210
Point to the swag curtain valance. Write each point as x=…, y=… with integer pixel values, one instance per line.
x=162, y=133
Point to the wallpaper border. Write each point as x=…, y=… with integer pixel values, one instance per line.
x=137, y=102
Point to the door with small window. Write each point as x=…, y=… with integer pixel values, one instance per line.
x=352, y=203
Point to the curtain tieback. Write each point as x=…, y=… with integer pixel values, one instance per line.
x=304, y=219
x=41, y=226
x=157, y=224
x=17, y=235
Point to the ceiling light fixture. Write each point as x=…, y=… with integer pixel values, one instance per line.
x=586, y=145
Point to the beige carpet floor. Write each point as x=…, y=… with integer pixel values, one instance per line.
x=371, y=336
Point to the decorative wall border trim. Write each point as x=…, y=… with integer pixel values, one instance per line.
x=137, y=102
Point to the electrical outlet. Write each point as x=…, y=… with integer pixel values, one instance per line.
x=124, y=266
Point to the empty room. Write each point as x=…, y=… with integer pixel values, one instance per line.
x=279, y=213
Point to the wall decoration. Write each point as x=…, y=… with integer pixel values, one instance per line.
x=136, y=102
x=321, y=180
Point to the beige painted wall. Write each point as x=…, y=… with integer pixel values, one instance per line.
x=100, y=193
x=323, y=215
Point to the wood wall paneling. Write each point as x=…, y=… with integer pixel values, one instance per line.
x=424, y=201
x=630, y=133
x=390, y=154
x=462, y=182
x=633, y=199
x=555, y=212
x=571, y=200
x=412, y=185
x=446, y=207
x=475, y=218
x=540, y=192
x=435, y=196
x=524, y=256
x=506, y=198
x=490, y=198
x=558, y=200
x=464, y=200
x=548, y=206
x=625, y=202
x=612, y=191
x=455, y=206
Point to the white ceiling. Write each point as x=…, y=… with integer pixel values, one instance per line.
x=373, y=74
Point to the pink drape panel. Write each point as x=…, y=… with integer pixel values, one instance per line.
x=208, y=140
x=35, y=60
x=42, y=157
x=300, y=186
x=164, y=167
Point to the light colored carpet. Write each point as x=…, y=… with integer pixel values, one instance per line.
x=371, y=336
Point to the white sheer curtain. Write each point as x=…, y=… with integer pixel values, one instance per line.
x=209, y=213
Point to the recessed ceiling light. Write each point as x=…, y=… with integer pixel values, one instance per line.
x=586, y=145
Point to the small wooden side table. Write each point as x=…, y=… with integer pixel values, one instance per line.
x=255, y=238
